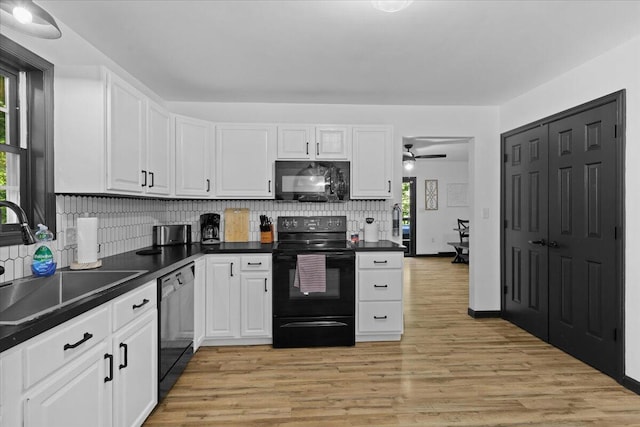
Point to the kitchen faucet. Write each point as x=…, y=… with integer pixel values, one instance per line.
x=28, y=238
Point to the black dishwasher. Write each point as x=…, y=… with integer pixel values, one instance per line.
x=175, y=328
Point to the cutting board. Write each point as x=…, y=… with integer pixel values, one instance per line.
x=236, y=225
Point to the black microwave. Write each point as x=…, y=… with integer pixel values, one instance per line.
x=312, y=181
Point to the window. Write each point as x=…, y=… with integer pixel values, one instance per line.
x=26, y=139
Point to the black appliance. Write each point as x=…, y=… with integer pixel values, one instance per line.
x=312, y=181
x=210, y=229
x=175, y=326
x=311, y=319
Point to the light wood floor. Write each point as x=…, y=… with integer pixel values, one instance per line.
x=448, y=370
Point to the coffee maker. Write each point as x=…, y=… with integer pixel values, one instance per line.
x=210, y=229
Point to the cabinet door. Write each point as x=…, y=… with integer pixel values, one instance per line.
x=222, y=297
x=159, y=152
x=125, y=136
x=244, y=161
x=135, y=371
x=255, y=309
x=372, y=162
x=332, y=142
x=296, y=142
x=194, y=157
x=79, y=395
x=199, y=303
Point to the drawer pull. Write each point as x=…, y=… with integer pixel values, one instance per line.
x=142, y=304
x=110, y=376
x=379, y=317
x=87, y=336
x=126, y=356
x=380, y=286
x=380, y=262
x=254, y=263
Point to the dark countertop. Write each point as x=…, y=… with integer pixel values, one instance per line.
x=157, y=265
x=381, y=246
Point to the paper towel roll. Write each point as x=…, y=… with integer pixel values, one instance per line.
x=371, y=232
x=87, y=240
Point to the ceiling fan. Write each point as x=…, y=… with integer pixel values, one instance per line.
x=409, y=159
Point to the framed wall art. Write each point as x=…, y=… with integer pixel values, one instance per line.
x=431, y=194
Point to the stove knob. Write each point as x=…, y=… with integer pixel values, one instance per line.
x=294, y=223
x=285, y=223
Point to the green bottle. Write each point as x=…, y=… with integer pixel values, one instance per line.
x=44, y=263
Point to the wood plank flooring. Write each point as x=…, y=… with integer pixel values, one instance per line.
x=448, y=370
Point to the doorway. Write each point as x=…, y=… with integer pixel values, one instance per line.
x=562, y=245
x=409, y=215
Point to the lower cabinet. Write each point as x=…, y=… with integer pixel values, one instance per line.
x=98, y=369
x=379, y=311
x=238, y=299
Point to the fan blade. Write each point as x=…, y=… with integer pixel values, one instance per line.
x=431, y=156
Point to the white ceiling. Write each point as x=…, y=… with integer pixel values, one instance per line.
x=345, y=52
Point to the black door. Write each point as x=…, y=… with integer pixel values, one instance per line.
x=408, y=222
x=563, y=253
x=584, y=294
x=525, y=213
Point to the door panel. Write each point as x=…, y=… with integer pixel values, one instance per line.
x=583, y=294
x=525, y=179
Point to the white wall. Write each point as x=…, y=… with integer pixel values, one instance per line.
x=615, y=70
x=434, y=228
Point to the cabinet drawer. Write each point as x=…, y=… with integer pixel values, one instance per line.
x=134, y=304
x=63, y=343
x=379, y=260
x=380, y=316
x=255, y=262
x=380, y=285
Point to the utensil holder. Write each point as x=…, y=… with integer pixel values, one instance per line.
x=267, y=236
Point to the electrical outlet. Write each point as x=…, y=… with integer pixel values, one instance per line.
x=71, y=236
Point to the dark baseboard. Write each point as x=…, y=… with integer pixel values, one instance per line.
x=484, y=314
x=631, y=384
x=438, y=255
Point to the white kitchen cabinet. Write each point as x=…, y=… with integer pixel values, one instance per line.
x=332, y=142
x=97, y=369
x=222, y=297
x=109, y=135
x=199, y=299
x=310, y=142
x=244, y=161
x=194, y=144
x=135, y=388
x=158, y=177
x=238, y=299
x=78, y=395
x=372, y=162
x=379, y=310
x=125, y=136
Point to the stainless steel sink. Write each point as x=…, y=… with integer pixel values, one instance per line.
x=26, y=299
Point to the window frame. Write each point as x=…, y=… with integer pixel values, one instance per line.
x=37, y=167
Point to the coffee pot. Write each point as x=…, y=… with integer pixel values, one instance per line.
x=210, y=228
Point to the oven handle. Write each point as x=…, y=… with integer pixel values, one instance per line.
x=313, y=324
x=283, y=256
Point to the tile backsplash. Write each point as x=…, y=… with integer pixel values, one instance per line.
x=125, y=224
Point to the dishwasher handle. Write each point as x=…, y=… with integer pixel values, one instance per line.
x=176, y=280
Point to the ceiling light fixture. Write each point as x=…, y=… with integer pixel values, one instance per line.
x=28, y=18
x=408, y=158
x=391, y=5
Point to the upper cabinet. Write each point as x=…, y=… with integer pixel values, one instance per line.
x=110, y=138
x=194, y=157
x=245, y=157
x=303, y=142
x=372, y=162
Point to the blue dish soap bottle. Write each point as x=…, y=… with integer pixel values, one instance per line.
x=44, y=263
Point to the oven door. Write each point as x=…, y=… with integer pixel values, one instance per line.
x=337, y=300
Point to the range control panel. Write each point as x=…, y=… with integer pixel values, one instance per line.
x=310, y=224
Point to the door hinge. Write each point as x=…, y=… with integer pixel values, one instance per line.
x=615, y=334
x=615, y=131
x=505, y=290
x=506, y=223
x=506, y=158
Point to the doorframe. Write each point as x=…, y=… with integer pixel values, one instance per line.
x=618, y=97
x=412, y=213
